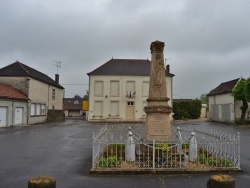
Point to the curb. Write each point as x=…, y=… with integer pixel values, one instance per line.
x=160, y=172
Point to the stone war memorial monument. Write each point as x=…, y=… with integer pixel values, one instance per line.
x=156, y=148
x=158, y=111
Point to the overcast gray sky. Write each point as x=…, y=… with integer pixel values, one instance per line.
x=208, y=41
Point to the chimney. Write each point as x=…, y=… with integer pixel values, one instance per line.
x=168, y=68
x=57, y=78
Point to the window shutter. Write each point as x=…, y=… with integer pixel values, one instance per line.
x=98, y=88
x=114, y=89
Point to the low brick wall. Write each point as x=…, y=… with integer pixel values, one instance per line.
x=56, y=115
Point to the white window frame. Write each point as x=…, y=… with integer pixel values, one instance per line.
x=32, y=109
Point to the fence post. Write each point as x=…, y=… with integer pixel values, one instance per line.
x=153, y=154
x=238, y=149
x=93, y=151
x=130, y=148
x=193, y=148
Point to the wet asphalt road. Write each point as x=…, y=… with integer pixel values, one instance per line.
x=63, y=150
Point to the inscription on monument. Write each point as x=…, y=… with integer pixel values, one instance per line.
x=157, y=128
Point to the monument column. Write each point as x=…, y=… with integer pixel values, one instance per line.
x=158, y=111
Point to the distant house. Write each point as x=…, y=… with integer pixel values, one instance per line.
x=73, y=106
x=119, y=88
x=44, y=93
x=222, y=105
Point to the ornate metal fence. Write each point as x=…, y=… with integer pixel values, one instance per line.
x=115, y=147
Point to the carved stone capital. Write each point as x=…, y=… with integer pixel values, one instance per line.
x=158, y=109
x=157, y=46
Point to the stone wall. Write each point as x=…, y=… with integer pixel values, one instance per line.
x=56, y=115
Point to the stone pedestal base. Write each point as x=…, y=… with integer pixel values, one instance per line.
x=158, y=127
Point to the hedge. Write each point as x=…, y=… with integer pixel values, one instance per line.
x=190, y=109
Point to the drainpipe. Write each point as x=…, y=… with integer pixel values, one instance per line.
x=12, y=112
x=28, y=111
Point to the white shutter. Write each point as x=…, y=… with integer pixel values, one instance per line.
x=98, y=88
x=32, y=109
x=43, y=109
x=98, y=108
x=145, y=89
x=114, y=108
x=114, y=89
x=38, y=109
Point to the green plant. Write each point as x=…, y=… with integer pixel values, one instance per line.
x=213, y=162
x=185, y=146
x=108, y=162
x=202, y=158
x=225, y=162
x=163, y=147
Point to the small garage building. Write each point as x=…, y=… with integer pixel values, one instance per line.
x=13, y=106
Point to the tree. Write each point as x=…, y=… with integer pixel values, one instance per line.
x=86, y=97
x=204, y=98
x=242, y=93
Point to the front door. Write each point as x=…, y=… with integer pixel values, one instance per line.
x=18, y=116
x=130, y=115
x=3, y=116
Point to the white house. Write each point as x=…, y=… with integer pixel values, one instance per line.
x=43, y=92
x=119, y=88
x=222, y=105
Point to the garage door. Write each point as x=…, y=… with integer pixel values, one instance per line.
x=3, y=116
x=226, y=112
x=214, y=112
x=74, y=113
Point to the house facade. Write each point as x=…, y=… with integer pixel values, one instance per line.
x=118, y=90
x=73, y=106
x=222, y=105
x=43, y=92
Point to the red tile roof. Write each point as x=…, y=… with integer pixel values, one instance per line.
x=9, y=92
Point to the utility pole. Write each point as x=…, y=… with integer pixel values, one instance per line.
x=58, y=65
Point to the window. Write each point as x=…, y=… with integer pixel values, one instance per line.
x=38, y=109
x=114, y=108
x=53, y=94
x=43, y=109
x=130, y=103
x=32, y=109
x=130, y=89
x=98, y=108
x=98, y=88
x=114, y=89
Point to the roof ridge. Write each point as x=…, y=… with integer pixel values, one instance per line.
x=22, y=66
x=130, y=59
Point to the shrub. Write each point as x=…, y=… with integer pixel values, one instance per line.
x=190, y=109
